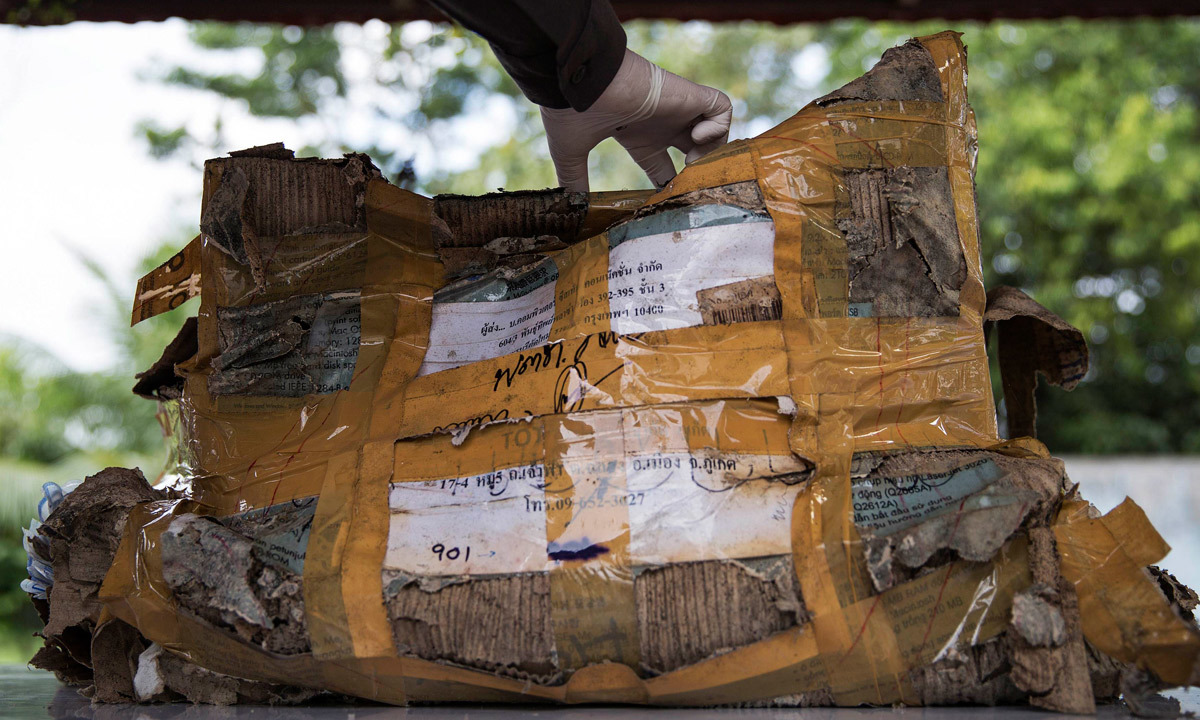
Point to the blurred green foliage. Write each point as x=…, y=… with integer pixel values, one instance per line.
x=60, y=425
x=1088, y=194
x=1088, y=182
x=300, y=68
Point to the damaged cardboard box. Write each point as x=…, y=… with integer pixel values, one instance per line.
x=730, y=443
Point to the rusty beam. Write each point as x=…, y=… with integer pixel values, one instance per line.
x=320, y=12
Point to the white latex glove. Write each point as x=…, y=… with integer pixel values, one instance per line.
x=647, y=110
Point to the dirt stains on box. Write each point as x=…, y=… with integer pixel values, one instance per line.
x=905, y=72
x=905, y=257
x=266, y=192
x=221, y=577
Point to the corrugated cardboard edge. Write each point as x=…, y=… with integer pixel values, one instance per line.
x=1032, y=341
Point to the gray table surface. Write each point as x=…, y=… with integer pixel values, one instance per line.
x=30, y=694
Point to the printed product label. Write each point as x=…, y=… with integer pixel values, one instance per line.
x=860, y=309
x=279, y=531
x=303, y=345
x=888, y=505
x=742, y=301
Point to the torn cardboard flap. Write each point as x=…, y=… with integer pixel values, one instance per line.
x=962, y=503
x=221, y=577
x=161, y=380
x=902, y=238
x=302, y=345
x=245, y=194
x=1032, y=341
x=84, y=531
x=169, y=285
x=1123, y=611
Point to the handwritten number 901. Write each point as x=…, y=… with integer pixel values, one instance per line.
x=453, y=553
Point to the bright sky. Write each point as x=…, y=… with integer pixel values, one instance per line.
x=75, y=178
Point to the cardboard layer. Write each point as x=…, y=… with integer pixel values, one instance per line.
x=731, y=443
x=685, y=613
x=476, y=220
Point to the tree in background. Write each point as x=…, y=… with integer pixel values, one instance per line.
x=1089, y=196
x=60, y=425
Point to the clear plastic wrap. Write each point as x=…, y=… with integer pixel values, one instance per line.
x=531, y=483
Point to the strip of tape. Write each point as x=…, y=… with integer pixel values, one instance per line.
x=169, y=285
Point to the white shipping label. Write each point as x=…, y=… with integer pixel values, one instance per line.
x=485, y=524
x=467, y=332
x=653, y=280
x=703, y=508
x=681, y=508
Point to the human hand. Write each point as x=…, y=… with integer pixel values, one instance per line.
x=647, y=110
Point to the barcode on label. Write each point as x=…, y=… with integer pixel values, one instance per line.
x=747, y=313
